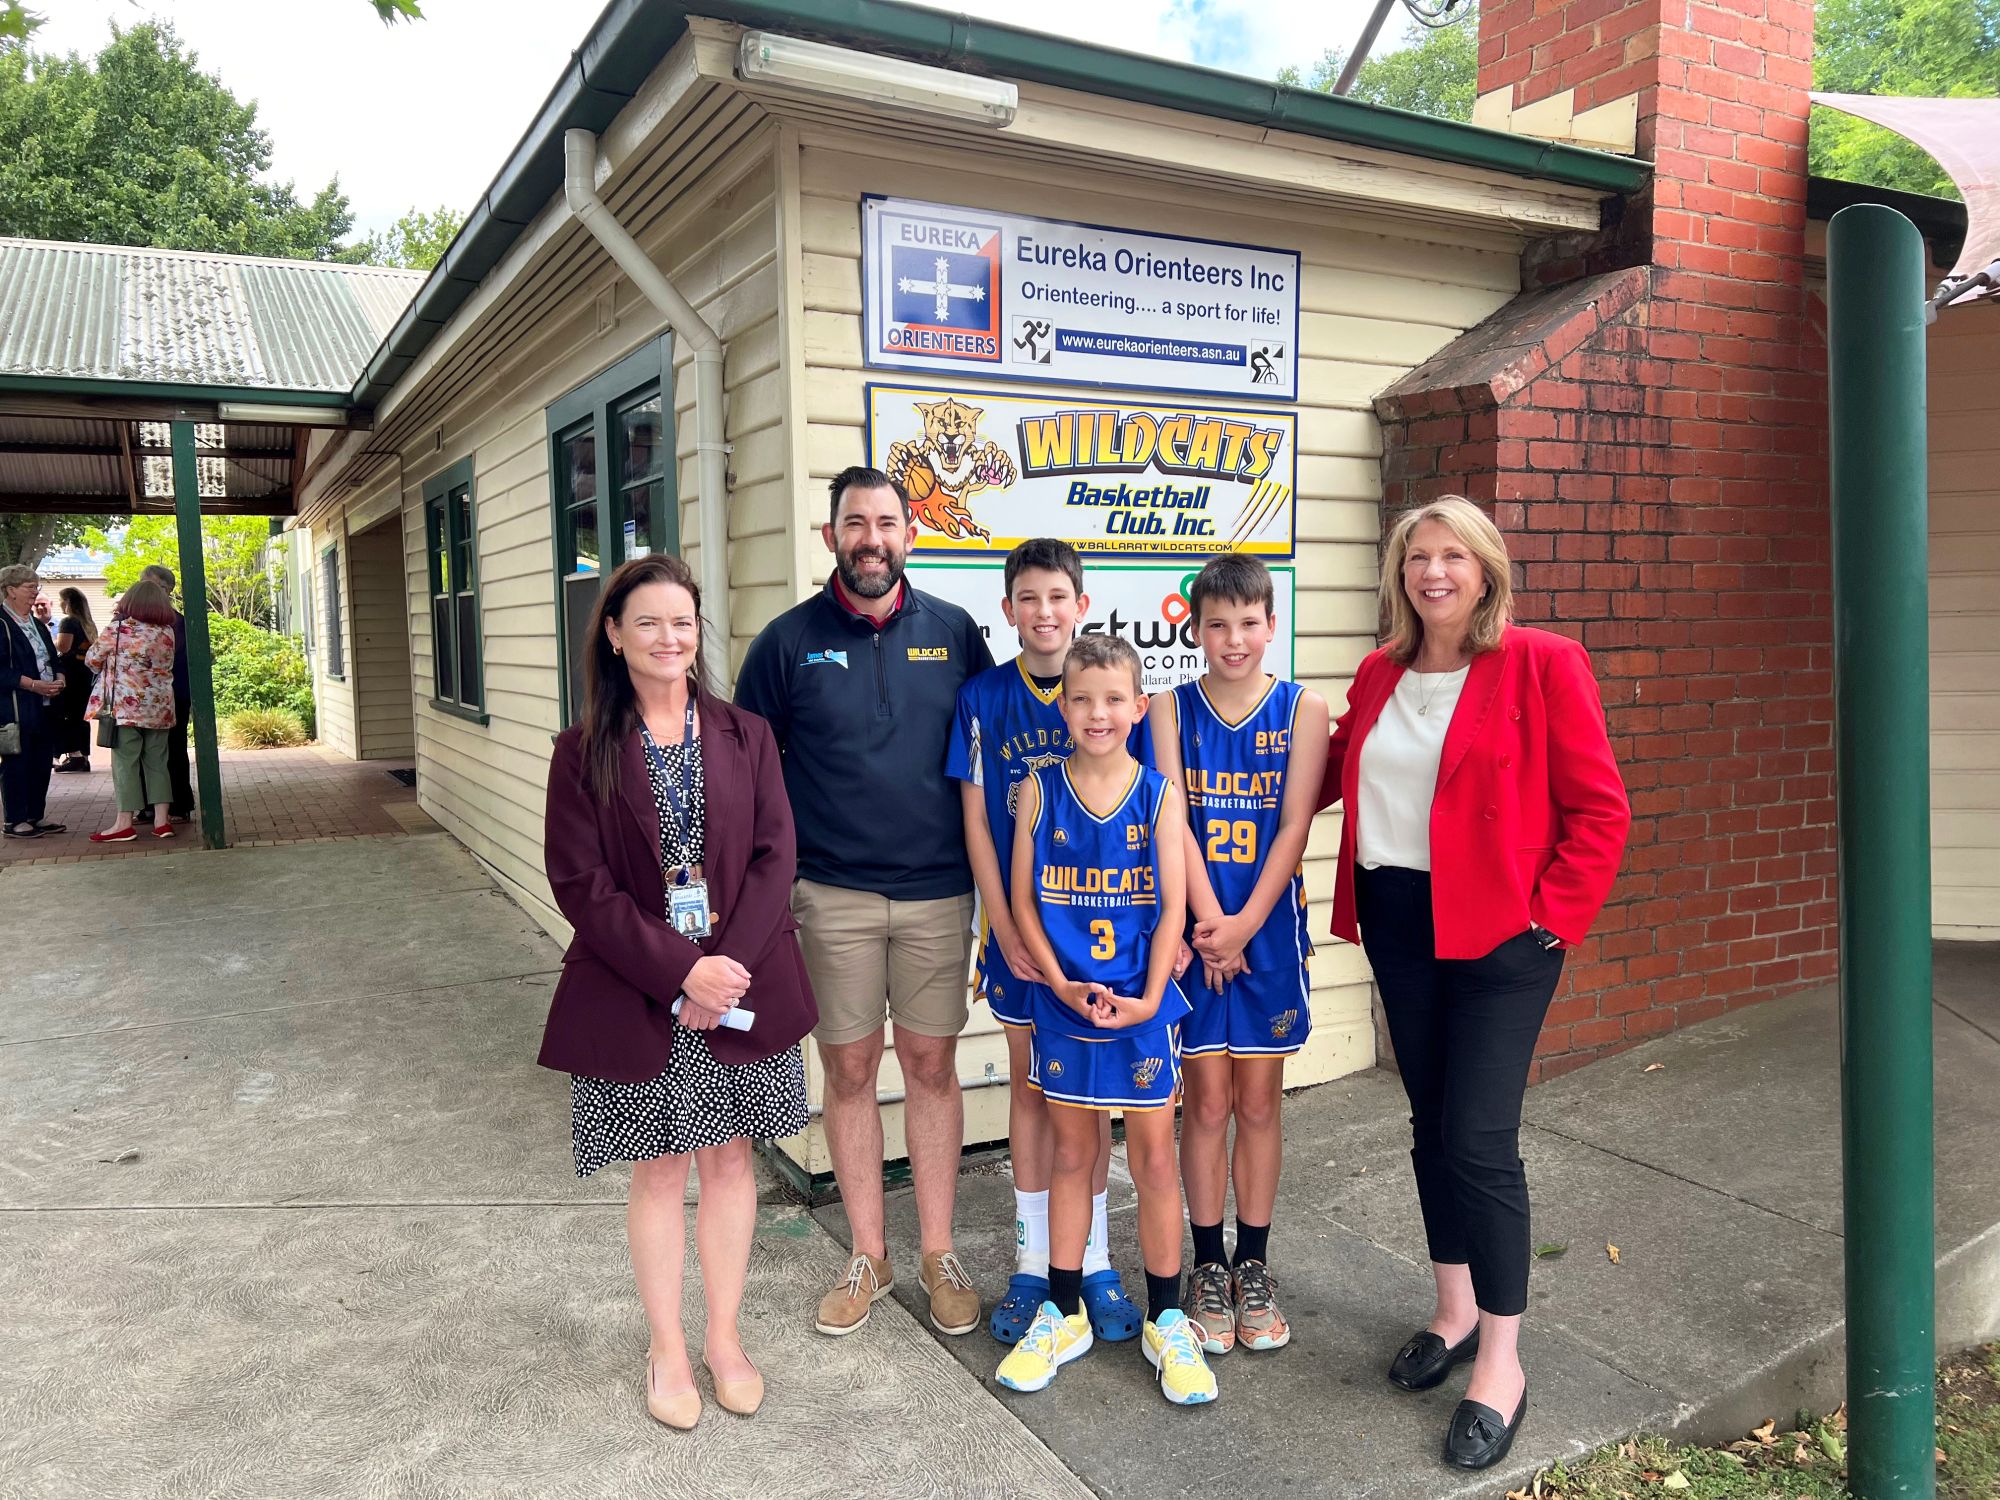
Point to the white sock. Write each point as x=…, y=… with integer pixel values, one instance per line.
x=1097, y=1249
x=1031, y=1233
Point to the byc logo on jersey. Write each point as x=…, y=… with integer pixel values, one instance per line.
x=1274, y=741
x=1282, y=1024
x=825, y=659
x=1146, y=1070
x=1137, y=835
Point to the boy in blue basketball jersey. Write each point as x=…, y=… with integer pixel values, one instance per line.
x=1098, y=900
x=1010, y=723
x=1248, y=750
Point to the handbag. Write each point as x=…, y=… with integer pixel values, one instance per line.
x=10, y=734
x=107, y=702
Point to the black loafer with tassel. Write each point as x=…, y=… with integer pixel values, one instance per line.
x=1426, y=1359
x=1479, y=1436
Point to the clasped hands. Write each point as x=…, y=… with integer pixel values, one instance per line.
x=712, y=988
x=1219, y=943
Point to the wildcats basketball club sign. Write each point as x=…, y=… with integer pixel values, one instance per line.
x=972, y=292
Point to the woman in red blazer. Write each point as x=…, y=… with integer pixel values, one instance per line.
x=669, y=847
x=1484, y=822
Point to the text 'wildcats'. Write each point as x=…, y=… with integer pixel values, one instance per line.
x=1099, y=441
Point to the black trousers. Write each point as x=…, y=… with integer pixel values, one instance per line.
x=180, y=803
x=24, y=778
x=1464, y=1032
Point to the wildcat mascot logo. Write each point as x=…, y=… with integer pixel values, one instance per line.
x=948, y=466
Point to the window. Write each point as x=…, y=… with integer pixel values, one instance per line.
x=611, y=471
x=451, y=551
x=329, y=586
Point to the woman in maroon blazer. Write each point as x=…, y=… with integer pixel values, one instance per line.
x=1485, y=820
x=669, y=848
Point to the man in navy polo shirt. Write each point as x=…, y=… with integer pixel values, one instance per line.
x=860, y=684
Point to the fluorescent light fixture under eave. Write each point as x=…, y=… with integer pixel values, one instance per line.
x=868, y=78
x=281, y=416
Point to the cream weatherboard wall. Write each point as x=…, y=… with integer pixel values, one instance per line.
x=378, y=677
x=486, y=782
x=333, y=695
x=1376, y=301
x=1965, y=621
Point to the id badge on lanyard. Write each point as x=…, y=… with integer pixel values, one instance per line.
x=687, y=897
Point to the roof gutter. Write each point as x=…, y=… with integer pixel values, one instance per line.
x=711, y=452
x=631, y=36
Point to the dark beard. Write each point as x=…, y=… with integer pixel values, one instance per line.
x=869, y=587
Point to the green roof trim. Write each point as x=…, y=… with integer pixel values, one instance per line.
x=630, y=38
x=154, y=390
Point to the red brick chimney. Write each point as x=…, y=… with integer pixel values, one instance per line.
x=1647, y=422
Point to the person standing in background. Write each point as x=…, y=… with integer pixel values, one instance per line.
x=74, y=636
x=180, y=806
x=29, y=682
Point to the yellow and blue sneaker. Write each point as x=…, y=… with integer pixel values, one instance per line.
x=1051, y=1342
x=1173, y=1347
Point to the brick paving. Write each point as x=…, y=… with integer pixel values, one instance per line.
x=268, y=797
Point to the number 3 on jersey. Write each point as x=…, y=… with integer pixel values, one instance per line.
x=1233, y=843
x=1105, y=944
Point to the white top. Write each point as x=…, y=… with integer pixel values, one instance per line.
x=1399, y=770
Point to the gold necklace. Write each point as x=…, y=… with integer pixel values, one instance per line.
x=1427, y=699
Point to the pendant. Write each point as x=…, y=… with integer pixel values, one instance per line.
x=1422, y=709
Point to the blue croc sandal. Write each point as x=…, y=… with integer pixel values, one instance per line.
x=1114, y=1317
x=1015, y=1311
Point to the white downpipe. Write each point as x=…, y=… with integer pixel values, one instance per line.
x=711, y=451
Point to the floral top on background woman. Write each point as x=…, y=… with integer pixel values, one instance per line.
x=134, y=662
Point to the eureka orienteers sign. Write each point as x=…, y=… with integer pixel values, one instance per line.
x=1014, y=297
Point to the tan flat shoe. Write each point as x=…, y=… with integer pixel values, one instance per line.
x=679, y=1409
x=740, y=1396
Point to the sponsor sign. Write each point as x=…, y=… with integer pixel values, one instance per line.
x=1014, y=297
x=1146, y=603
x=985, y=471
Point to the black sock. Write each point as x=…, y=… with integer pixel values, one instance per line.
x=1208, y=1249
x=1253, y=1242
x=1066, y=1290
x=1162, y=1292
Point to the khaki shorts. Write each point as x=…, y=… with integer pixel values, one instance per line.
x=871, y=959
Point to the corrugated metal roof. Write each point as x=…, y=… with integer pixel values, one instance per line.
x=98, y=312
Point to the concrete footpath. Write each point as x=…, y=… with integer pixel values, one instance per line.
x=286, y=1209
x=1710, y=1158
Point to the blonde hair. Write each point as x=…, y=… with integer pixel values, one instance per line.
x=1482, y=539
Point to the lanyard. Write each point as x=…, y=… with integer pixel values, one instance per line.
x=680, y=789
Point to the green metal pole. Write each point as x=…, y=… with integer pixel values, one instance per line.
x=1881, y=714
x=194, y=596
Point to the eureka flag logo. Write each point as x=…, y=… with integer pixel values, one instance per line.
x=942, y=288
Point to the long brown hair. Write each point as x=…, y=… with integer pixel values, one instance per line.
x=78, y=609
x=610, y=705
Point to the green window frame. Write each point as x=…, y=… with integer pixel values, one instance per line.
x=451, y=553
x=336, y=642
x=613, y=491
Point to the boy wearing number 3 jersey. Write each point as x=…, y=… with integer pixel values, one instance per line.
x=1098, y=900
x=1248, y=750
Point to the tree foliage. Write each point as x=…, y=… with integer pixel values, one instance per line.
x=240, y=585
x=139, y=146
x=29, y=539
x=416, y=242
x=1433, y=72
x=1935, y=48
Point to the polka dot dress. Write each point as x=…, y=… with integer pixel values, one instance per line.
x=697, y=1101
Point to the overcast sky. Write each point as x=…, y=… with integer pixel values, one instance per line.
x=423, y=114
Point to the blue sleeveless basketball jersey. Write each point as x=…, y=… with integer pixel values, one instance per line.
x=1006, y=728
x=1097, y=890
x=1234, y=776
